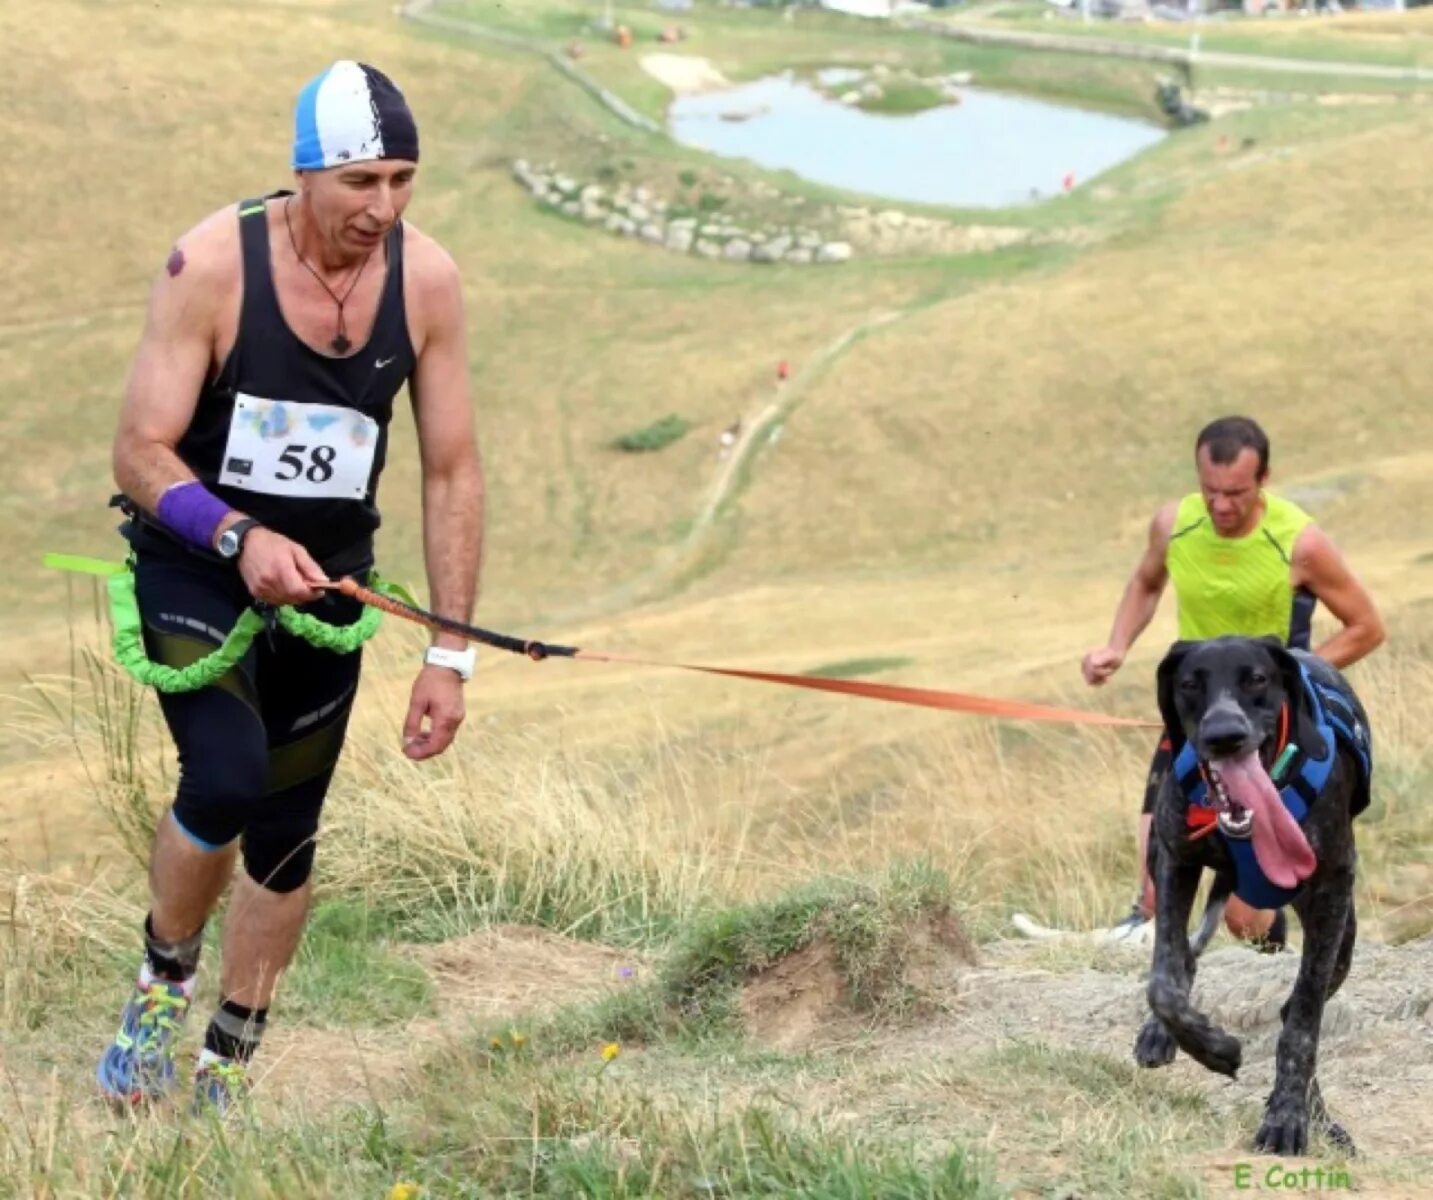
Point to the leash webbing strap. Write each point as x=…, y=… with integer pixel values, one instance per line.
x=891, y=693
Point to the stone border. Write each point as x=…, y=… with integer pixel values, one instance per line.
x=629, y=211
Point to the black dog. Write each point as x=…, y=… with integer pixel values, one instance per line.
x=1238, y=709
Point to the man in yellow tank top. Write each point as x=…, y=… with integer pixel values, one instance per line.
x=1243, y=561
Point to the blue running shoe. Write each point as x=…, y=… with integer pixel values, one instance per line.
x=138, y=1066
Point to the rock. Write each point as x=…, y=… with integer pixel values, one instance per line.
x=659, y=206
x=679, y=240
x=851, y=98
x=708, y=249
x=892, y=219
x=808, y=240
x=834, y=252
x=638, y=212
x=880, y=71
x=772, y=251
x=801, y=255
x=872, y=91
x=652, y=232
x=756, y=238
x=710, y=231
x=688, y=223
x=961, y=78
x=593, y=212
x=520, y=167
x=642, y=196
x=591, y=193
x=737, y=248
x=566, y=185
x=572, y=208
x=614, y=222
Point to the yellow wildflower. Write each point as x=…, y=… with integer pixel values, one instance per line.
x=610, y=1051
x=404, y=1191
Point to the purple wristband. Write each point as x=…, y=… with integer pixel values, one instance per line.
x=193, y=512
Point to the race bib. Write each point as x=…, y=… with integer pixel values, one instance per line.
x=283, y=448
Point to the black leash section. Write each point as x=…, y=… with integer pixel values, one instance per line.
x=536, y=651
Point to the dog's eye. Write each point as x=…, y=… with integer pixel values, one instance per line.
x=1258, y=679
x=1189, y=686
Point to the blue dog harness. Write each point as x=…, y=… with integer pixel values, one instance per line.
x=1337, y=721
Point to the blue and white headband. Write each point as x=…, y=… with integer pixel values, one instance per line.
x=352, y=113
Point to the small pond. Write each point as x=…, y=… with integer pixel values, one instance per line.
x=989, y=150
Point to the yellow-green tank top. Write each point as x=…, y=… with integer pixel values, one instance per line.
x=1237, y=585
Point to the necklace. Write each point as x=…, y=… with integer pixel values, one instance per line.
x=340, y=342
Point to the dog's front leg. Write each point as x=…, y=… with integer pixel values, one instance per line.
x=1325, y=916
x=1172, y=977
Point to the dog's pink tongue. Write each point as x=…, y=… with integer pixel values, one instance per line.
x=1279, y=844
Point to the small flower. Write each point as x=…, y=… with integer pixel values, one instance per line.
x=519, y=1040
x=403, y=1190
x=626, y=972
x=610, y=1051
x=495, y=1043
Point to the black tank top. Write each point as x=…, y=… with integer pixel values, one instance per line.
x=279, y=419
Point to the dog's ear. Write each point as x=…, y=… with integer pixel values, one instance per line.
x=1302, y=729
x=1164, y=690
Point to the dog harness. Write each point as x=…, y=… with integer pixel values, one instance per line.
x=1304, y=779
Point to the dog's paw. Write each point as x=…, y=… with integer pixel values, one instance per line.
x=1218, y=1051
x=1285, y=1129
x=1155, y=1045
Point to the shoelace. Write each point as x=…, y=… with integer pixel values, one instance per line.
x=232, y=1076
x=159, y=1014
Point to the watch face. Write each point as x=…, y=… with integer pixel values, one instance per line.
x=228, y=543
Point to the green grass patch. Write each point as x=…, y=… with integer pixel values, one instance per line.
x=901, y=97
x=655, y=436
x=868, y=924
x=860, y=666
x=344, y=975
x=584, y=1129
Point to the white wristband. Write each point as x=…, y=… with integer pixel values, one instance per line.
x=461, y=661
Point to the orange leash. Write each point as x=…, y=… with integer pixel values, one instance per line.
x=989, y=706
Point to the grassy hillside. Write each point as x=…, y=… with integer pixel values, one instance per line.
x=948, y=492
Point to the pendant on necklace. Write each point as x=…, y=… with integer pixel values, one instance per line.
x=340, y=344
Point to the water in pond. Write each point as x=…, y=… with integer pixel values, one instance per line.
x=991, y=149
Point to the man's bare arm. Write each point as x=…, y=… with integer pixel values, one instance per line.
x=1319, y=567
x=169, y=369
x=453, y=490
x=1138, y=604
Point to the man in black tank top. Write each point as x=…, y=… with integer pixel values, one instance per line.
x=249, y=451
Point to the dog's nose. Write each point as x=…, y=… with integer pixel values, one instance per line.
x=1223, y=732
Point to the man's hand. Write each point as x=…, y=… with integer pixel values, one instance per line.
x=278, y=571
x=437, y=699
x=1098, y=665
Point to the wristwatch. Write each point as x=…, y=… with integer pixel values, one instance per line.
x=231, y=541
x=461, y=661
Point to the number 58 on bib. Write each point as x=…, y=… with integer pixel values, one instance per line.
x=283, y=448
